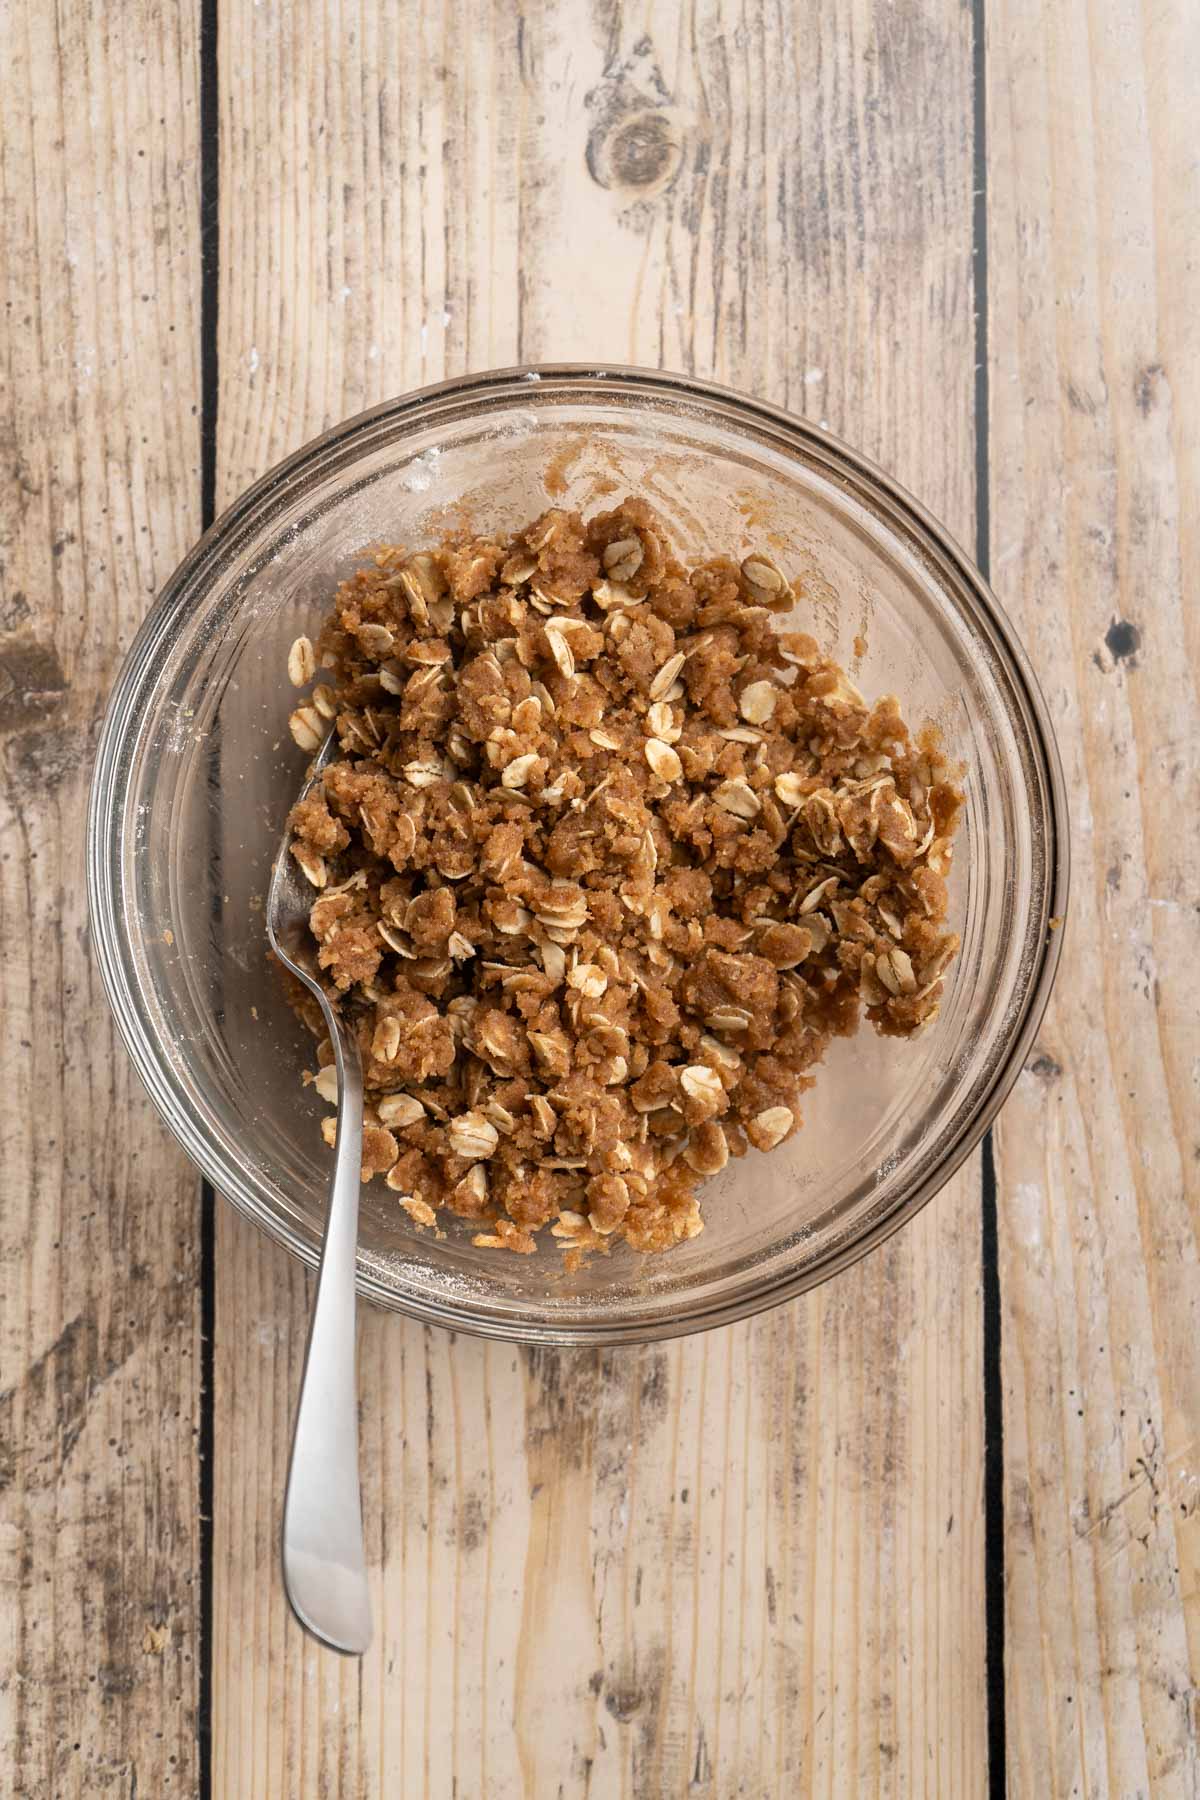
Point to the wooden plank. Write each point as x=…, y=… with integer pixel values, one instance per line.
x=1093, y=189
x=750, y=1562
x=99, y=497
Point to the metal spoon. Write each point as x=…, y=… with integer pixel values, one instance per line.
x=324, y=1568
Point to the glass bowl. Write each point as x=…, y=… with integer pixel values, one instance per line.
x=196, y=771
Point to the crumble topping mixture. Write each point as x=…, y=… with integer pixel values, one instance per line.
x=605, y=863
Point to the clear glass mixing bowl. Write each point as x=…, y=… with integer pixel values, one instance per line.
x=196, y=771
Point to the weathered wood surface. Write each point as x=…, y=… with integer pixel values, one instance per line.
x=99, y=1243
x=1093, y=192
x=746, y=1563
x=750, y=1563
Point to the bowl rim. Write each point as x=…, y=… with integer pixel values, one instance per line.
x=246, y=512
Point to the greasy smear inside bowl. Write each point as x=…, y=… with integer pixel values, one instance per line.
x=197, y=770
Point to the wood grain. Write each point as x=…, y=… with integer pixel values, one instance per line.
x=99, y=496
x=748, y=1563
x=1093, y=189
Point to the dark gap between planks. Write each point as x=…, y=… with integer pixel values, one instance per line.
x=209, y=297
x=993, y=1383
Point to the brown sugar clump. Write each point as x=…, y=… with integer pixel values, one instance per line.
x=605, y=863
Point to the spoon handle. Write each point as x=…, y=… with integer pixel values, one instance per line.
x=324, y=1567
